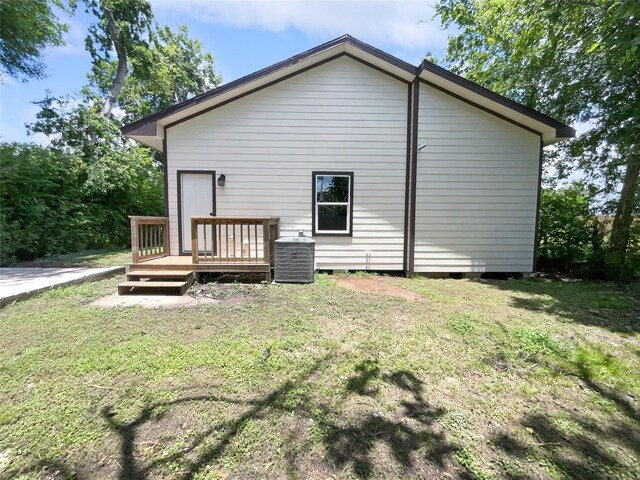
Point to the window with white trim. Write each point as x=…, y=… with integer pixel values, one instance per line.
x=332, y=199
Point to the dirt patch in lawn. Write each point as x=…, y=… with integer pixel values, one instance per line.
x=211, y=294
x=226, y=294
x=378, y=286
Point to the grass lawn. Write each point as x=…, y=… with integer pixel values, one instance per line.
x=478, y=379
x=106, y=257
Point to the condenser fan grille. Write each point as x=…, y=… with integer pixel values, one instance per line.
x=295, y=259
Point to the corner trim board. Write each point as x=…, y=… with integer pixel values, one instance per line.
x=537, y=226
x=407, y=186
x=414, y=171
x=165, y=167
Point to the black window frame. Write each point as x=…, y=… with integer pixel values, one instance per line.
x=314, y=204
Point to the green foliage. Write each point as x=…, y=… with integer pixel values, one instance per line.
x=133, y=19
x=577, y=64
x=114, y=177
x=534, y=342
x=40, y=212
x=573, y=238
x=566, y=226
x=26, y=29
x=54, y=202
x=164, y=66
x=173, y=69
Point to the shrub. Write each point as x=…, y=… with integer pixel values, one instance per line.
x=566, y=228
x=573, y=238
x=52, y=202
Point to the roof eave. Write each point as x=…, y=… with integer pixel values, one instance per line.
x=561, y=130
x=344, y=41
x=150, y=130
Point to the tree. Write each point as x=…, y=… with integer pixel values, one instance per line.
x=172, y=69
x=123, y=25
x=26, y=29
x=154, y=67
x=577, y=61
x=91, y=178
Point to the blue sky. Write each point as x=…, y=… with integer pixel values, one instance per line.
x=243, y=37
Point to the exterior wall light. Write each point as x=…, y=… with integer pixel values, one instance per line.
x=221, y=180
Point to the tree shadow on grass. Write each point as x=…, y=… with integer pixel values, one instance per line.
x=583, y=451
x=574, y=441
x=130, y=467
x=365, y=372
x=610, y=306
x=347, y=442
x=405, y=435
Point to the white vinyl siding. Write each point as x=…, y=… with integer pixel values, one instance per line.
x=476, y=189
x=339, y=116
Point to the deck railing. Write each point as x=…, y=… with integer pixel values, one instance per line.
x=149, y=238
x=233, y=239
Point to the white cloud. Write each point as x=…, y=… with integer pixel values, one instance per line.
x=395, y=22
x=75, y=37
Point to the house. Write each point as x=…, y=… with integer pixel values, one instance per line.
x=389, y=166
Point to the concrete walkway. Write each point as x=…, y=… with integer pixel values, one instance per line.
x=154, y=301
x=22, y=283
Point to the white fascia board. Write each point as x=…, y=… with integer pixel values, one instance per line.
x=548, y=132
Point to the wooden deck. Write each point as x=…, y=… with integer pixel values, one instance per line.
x=185, y=263
x=225, y=244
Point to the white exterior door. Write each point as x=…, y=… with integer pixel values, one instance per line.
x=197, y=198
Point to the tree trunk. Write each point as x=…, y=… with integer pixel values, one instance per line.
x=121, y=72
x=620, y=231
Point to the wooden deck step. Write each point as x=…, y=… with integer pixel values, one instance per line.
x=156, y=274
x=179, y=288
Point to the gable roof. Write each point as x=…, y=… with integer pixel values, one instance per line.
x=455, y=84
x=150, y=130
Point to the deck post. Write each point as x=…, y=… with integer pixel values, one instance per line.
x=194, y=240
x=266, y=238
x=165, y=232
x=274, y=234
x=135, y=247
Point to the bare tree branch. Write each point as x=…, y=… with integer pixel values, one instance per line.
x=121, y=72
